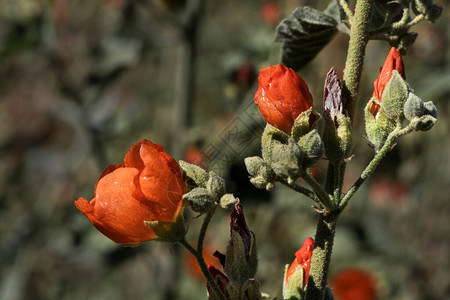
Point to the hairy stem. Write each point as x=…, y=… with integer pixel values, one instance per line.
x=199, y=257
x=359, y=37
x=323, y=245
x=302, y=190
x=326, y=225
x=206, y=221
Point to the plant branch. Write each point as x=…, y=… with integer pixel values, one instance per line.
x=346, y=9
x=199, y=257
x=390, y=142
x=359, y=37
x=325, y=200
x=299, y=189
x=206, y=221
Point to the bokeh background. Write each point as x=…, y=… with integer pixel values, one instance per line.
x=83, y=80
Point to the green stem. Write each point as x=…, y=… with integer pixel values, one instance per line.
x=206, y=221
x=325, y=200
x=302, y=190
x=337, y=183
x=359, y=37
x=346, y=9
x=390, y=142
x=326, y=225
x=199, y=257
x=323, y=245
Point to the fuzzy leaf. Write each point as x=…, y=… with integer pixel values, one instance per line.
x=304, y=33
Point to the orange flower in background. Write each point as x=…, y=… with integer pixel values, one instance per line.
x=148, y=186
x=282, y=96
x=353, y=284
x=393, y=62
x=303, y=260
x=270, y=12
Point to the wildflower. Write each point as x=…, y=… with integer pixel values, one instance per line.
x=282, y=96
x=148, y=186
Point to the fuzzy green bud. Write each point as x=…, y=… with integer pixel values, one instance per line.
x=312, y=148
x=216, y=185
x=394, y=96
x=414, y=107
x=241, y=256
x=337, y=137
x=227, y=201
x=304, y=123
x=195, y=175
x=286, y=160
x=430, y=109
x=262, y=174
x=271, y=137
x=378, y=127
x=200, y=200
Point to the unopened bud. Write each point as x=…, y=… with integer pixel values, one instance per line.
x=433, y=13
x=196, y=175
x=312, y=147
x=378, y=127
x=304, y=123
x=414, y=107
x=216, y=185
x=227, y=201
x=430, y=109
x=394, y=96
x=200, y=200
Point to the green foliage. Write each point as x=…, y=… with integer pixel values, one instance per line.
x=304, y=33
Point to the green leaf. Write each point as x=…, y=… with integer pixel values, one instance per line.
x=304, y=33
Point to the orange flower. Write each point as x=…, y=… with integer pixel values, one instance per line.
x=148, y=186
x=270, y=12
x=353, y=284
x=303, y=259
x=282, y=96
x=393, y=62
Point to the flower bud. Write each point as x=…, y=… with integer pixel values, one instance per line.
x=304, y=123
x=227, y=201
x=413, y=107
x=296, y=275
x=262, y=175
x=430, y=109
x=394, y=96
x=241, y=257
x=425, y=123
x=196, y=176
x=433, y=13
x=216, y=186
x=337, y=136
x=282, y=96
x=312, y=148
x=393, y=62
x=378, y=127
x=200, y=200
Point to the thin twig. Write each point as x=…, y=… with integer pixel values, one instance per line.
x=302, y=190
x=325, y=199
x=390, y=142
x=346, y=9
x=206, y=221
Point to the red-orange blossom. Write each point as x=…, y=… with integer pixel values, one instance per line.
x=148, y=186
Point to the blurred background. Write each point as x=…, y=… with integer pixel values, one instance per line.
x=82, y=81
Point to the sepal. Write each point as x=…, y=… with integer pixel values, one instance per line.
x=304, y=123
x=169, y=231
x=195, y=174
x=200, y=200
x=377, y=128
x=394, y=96
x=312, y=148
